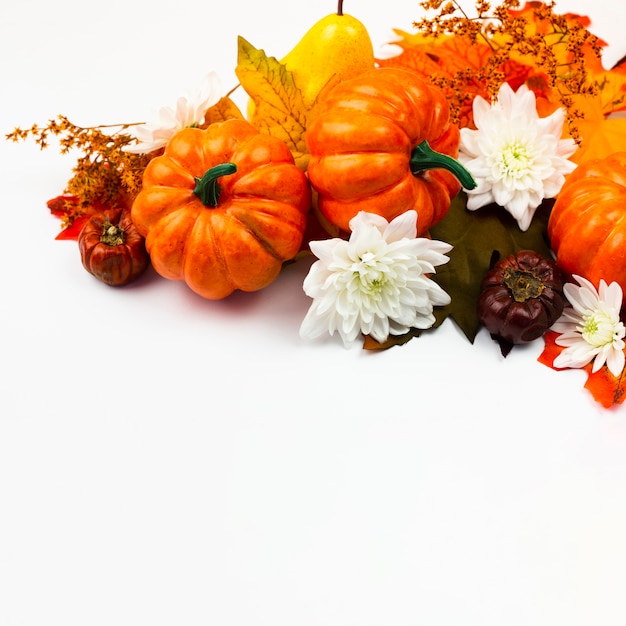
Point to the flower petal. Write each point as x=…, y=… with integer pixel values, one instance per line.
x=516, y=157
x=376, y=283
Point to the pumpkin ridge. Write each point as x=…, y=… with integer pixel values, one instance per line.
x=175, y=167
x=217, y=249
x=351, y=140
x=284, y=212
x=395, y=106
x=226, y=268
x=248, y=229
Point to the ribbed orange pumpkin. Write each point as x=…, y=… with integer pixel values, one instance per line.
x=222, y=208
x=587, y=224
x=371, y=151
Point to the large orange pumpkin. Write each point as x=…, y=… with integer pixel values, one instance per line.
x=222, y=208
x=587, y=224
x=372, y=149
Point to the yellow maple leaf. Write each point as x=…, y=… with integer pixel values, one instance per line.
x=221, y=111
x=278, y=106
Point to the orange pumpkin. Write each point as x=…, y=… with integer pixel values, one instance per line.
x=222, y=208
x=587, y=224
x=380, y=144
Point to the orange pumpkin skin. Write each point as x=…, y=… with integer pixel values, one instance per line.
x=587, y=224
x=256, y=225
x=361, y=144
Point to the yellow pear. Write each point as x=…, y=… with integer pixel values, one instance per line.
x=335, y=48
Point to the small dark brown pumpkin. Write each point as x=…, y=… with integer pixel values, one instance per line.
x=112, y=249
x=521, y=297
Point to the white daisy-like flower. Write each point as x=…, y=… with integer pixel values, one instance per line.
x=591, y=329
x=189, y=111
x=516, y=157
x=375, y=283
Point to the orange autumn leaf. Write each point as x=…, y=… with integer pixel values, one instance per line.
x=612, y=87
x=418, y=54
x=600, y=134
x=608, y=89
x=449, y=54
x=457, y=66
x=604, y=138
x=605, y=388
x=620, y=66
x=557, y=32
x=603, y=92
x=556, y=56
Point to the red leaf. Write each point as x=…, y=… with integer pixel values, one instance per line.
x=73, y=230
x=550, y=350
x=62, y=205
x=75, y=213
x=605, y=388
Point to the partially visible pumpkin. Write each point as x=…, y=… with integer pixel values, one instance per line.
x=111, y=248
x=587, y=224
x=223, y=208
x=383, y=143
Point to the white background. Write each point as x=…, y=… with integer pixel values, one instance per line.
x=170, y=461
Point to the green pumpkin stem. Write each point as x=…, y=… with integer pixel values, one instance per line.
x=207, y=188
x=424, y=157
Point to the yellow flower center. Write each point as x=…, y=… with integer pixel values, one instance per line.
x=514, y=159
x=599, y=328
x=370, y=274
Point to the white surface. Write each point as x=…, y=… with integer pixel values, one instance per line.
x=166, y=460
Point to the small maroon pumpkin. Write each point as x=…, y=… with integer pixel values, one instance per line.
x=111, y=248
x=521, y=297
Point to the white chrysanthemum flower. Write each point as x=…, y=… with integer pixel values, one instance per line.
x=375, y=283
x=591, y=328
x=189, y=112
x=516, y=157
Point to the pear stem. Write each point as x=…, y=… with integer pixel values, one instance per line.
x=340, y=7
x=207, y=188
x=424, y=157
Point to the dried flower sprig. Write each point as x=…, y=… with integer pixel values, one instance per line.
x=556, y=46
x=104, y=173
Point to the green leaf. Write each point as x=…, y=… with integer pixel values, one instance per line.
x=278, y=106
x=480, y=238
